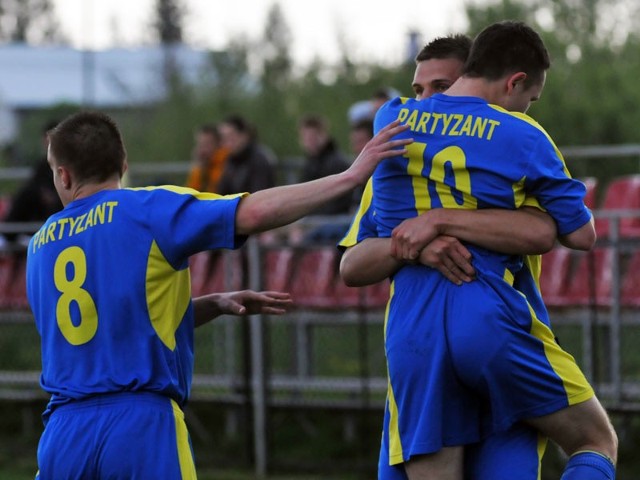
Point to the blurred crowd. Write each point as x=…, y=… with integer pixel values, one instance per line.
x=227, y=157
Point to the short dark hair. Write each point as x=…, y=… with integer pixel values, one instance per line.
x=382, y=93
x=49, y=125
x=89, y=143
x=451, y=46
x=242, y=125
x=506, y=47
x=210, y=129
x=315, y=121
x=366, y=124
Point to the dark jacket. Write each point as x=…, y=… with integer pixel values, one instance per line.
x=250, y=170
x=36, y=200
x=328, y=161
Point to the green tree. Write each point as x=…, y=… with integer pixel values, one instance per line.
x=275, y=55
x=28, y=21
x=168, y=20
x=590, y=96
x=167, y=23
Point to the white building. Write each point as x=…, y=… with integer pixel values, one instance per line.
x=40, y=77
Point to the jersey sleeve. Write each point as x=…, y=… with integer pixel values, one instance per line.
x=549, y=181
x=185, y=221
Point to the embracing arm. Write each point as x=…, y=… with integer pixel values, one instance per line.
x=521, y=232
x=580, y=239
x=368, y=262
x=434, y=239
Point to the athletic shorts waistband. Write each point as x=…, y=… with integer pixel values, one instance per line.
x=116, y=398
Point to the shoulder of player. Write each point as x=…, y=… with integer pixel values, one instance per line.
x=521, y=119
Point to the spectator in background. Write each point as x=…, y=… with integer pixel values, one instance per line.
x=250, y=166
x=209, y=157
x=359, y=134
x=322, y=158
x=382, y=96
x=36, y=199
x=366, y=109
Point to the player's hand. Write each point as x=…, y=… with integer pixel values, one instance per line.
x=377, y=149
x=249, y=302
x=450, y=257
x=412, y=235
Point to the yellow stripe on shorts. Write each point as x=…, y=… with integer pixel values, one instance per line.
x=395, y=443
x=185, y=457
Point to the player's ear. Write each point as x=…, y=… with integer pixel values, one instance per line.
x=65, y=176
x=514, y=80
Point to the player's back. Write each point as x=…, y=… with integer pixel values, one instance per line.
x=468, y=154
x=108, y=283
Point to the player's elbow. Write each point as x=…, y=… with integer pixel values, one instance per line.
x=544, y=242
x=583, y=238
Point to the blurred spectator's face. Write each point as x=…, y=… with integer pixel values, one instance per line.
x=312, y=140
x=377, y=102
x=435, y=76
x=232, y=139
x=358, y=138
x=204, y=147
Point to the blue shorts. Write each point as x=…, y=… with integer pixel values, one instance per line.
x=468, y=361
x=515, y=453
x=116, y=436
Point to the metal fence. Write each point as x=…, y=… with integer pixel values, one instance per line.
x=328, y=354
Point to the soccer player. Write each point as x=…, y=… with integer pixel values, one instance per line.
x=470, y=360
x=108, y=284
x=526, y=230
x=366, y=260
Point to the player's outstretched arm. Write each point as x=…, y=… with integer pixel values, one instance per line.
x=243, y=302
x=275, y=207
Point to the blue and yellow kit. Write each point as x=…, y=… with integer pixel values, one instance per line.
x=109, y=286
x=469, y=361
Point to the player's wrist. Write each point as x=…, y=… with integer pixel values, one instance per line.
x=438, y=220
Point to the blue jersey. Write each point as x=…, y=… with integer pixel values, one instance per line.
x=109, y=286
x=470, y=154
x=437, y=173
x=461, y=359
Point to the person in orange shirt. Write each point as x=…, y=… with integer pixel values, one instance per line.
x=209, y=157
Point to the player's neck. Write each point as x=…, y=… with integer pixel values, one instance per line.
x=86, y=190
x=474, y=87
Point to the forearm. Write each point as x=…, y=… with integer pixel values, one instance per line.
x=206, y=308
x=368, y=262
x=523, y=231
x=278, y=206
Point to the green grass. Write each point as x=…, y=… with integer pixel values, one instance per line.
x=302, y=445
